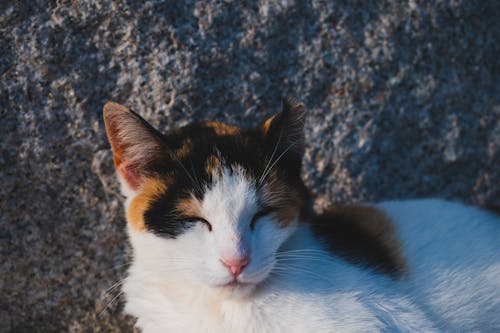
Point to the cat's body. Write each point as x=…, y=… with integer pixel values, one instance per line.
x=248, y=256
x=451, y=284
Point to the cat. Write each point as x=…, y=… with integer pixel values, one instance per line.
x=225, y=240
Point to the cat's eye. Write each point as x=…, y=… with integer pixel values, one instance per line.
x=198, y=219
x=260, y=214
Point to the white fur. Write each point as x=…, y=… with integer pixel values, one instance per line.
x=453, y=284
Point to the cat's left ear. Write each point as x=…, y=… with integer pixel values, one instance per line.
x=136, y=145
x=285, y=130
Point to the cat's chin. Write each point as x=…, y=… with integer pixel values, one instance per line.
x=234, y=289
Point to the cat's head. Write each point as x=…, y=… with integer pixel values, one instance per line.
x=210, y=203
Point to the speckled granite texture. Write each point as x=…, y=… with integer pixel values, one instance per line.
x=403, y=99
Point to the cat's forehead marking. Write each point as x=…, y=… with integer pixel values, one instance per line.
x=189, y=207
x=222, y=129
x=213, y=165
x=150, y=189
x=230, y=198
x=185, y=149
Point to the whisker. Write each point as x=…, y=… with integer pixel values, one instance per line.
x=284, y=273
x=121, y=265
x=321, y=260
x=271, y=158
x=114, y=286
x=296, y=268
x=277, y=160
x=305, y=251
x=304, y=255
x=110, y=304
x=174, y=157
x=198, y=183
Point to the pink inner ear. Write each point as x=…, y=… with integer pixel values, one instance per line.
x=130, y=174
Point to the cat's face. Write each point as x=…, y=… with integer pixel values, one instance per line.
x=210, y=203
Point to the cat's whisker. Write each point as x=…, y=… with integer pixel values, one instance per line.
x=114, y=286
x=282, y=272
x=261, y=178
x=263, y=268
x=109, y=291
x=303, y=250
x=175, y=158
x=279, y=274
x=300, y=269
x=110, y=303
x=121, y=265
x=277, y=160
x=319, y=260
x=198, y=184
x=285, y=272
x=322, y=254
x=304, y=255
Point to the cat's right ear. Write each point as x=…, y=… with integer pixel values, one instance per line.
x=285, y=130
x=135, y=144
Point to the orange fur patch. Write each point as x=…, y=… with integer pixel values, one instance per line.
x=222, y=129
x=185, y=149
x=149, y=190
x=212, y=164
x=267, y=124
x=189, y=207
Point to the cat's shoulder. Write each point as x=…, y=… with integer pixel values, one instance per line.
x=362, y=234
x=380, y=235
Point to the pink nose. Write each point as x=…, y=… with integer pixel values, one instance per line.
x=235, y=266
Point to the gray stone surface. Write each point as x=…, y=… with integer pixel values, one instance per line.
x=403, y=99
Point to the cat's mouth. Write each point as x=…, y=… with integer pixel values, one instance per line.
x=236, y=288
x=235, y=284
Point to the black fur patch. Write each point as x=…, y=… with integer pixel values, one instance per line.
x=492, y=208
x=188, y=174
x=362, y=235
x=185, y=159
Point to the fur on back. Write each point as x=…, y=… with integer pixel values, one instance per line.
x=225, y=240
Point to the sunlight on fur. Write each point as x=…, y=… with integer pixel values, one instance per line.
x=225, y=240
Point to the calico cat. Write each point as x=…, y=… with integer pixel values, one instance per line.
x=225, y=240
